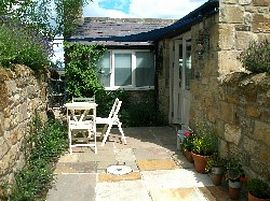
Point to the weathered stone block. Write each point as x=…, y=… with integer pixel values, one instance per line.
x=3, y=147
x=226, y=36
x=252, y=111
x=232, y=133
x=229, y=2
x=245, y=2
x=232, y=14
x=261, y=3
x=227, y=112
x=243, y=39
x=262, y=132
x=228, y=62
x=261, y=23
x=250, y=146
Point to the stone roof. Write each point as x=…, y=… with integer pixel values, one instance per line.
x=138, y=31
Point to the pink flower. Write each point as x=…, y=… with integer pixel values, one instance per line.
x=187, y=134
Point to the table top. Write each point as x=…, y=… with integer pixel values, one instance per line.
x=80, y=105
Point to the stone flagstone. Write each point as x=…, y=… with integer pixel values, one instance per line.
x=163, y=164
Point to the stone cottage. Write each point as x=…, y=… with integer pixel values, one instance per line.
x=192, y=65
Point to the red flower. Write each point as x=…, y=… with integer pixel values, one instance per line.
x=187, y=133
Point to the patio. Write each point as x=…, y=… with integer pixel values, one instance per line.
x=159, y=172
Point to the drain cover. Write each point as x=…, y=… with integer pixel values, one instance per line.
x=119, y=169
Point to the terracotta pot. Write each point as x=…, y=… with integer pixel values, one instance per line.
x=188, y=155
x=253, y=198
x=234, y=190
x=199, y=162
x=216, y=179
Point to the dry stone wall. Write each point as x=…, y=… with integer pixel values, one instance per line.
x=236, y=104
x=243, y=123
x=22, y=94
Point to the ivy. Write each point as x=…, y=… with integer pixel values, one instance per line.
x=81, y=69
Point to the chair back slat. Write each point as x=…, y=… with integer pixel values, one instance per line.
x=83, y=99
x=113, y=108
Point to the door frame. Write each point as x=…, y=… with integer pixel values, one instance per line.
x=177, y=109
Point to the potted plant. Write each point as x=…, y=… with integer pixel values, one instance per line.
x=215, y=167
x=187, y=145
x=258, y=190
x=234, y=171
x=204, y=145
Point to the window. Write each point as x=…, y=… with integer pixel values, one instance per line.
x=127, y=69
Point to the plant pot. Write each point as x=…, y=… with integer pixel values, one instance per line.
x=199, y=162
x=188, y=155
x=234, y=189
x=253, y=198
x=216, y=175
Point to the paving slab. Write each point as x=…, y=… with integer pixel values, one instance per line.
x=106, y=177
x=85, y=167
x=178, y=178
x=73, y=187
x=151, y=153
x=184, y=194
x=123, y=190
x=162, y=164
x=124, y=155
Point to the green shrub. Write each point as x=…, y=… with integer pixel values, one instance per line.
x=256, y=58
x=19, y=47
x=205, y=142
x=258, y=188
x=42, y=148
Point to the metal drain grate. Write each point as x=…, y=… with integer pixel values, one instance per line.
x=119, y=169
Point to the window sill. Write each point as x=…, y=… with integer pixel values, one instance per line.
x=130, y=88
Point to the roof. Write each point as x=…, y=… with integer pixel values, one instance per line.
x=111, y=31
x=138, y=31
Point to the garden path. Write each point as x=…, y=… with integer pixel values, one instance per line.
x=160, y=173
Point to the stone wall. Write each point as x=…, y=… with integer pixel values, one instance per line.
x=22, y=94
x=240, y=21
x=243, y=123
x=163, y=75
x=235, y=104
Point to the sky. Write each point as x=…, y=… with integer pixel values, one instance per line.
x=174, y=9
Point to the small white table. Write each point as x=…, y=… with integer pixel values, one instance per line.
x=78, y=122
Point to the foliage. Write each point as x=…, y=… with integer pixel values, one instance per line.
x=215, y=161
x=205, y=141
x=133, y=112
x=234, y=169
x=19, y=47
x=258, y=188
x=141, y=111
x=81, y=69
x=256, y=58
x=42, y=148
x=36, y=22
x=69, y=13
x=188, y=142
x=45, y=17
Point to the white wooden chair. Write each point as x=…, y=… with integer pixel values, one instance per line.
x=83, y=99
x=82, y=121
x=110, y=121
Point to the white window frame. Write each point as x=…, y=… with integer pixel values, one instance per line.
x=133, y=68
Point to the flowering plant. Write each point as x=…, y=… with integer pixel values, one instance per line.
x=188, y=140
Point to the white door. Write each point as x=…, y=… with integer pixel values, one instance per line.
x=180, y=81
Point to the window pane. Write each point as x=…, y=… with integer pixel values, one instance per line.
x=104, y=70
x=144, y=69
x=123, y=69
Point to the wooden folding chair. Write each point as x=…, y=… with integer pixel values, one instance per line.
x=110, y=121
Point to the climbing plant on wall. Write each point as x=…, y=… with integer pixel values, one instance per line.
x=81, y=69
